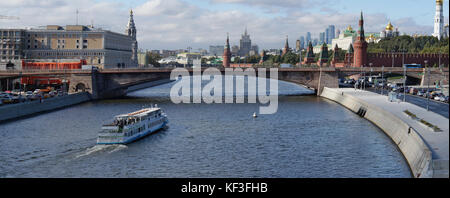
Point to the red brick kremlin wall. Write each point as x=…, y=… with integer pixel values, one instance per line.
x=380, y=59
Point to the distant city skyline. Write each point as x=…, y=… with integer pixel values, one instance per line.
x=178, y=24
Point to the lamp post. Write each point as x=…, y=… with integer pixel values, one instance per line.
x=382, y=80
x=300, y=63
x=427, y=72
x=393, y=58
x=370, y=74
x=404, y=75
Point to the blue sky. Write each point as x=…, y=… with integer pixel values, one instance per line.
x=176, y=24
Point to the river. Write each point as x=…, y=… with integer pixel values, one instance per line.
x=307, y=137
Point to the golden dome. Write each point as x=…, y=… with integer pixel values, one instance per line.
x=440, y=2
x=390, y=27
x=349, y=28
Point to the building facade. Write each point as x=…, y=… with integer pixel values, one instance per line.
x=12, y=42
x=97, y=47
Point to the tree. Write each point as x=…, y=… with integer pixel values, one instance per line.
x=421, y=44
x=153, y=59
x=290, y=58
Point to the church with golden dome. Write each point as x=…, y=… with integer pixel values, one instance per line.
x=389, y=31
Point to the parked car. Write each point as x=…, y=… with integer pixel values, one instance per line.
x=18, y=98
x=7, y=99
x=29, y=95
x=53, y=93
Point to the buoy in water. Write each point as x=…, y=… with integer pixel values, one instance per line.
x=254, y=115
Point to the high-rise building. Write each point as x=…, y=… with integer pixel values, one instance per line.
x=330, y=34
x=308, y=37
x=302, y=42
x=322, y=37
x=245, y=44
x=315, y=42
x=439, y=19
x=297, y=45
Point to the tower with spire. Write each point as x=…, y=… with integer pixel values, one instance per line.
x=286, y=48
x=323, y=57
x=360, y=46
x=227, y=53
x=439, y=19
x=131, y=32
x=309, y=55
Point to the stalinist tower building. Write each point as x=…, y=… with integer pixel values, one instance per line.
x=439, y=19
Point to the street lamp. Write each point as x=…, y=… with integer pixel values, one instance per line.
x=382, y=80
x=427, y=72
x=404, y=75
x=370, y=73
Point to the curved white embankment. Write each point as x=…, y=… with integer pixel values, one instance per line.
x=412, y=146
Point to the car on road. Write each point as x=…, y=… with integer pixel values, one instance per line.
x=29, y=95
x=7, y=99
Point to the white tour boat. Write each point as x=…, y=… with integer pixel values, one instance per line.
x=129, y=127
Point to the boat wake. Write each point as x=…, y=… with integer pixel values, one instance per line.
x=102, y=148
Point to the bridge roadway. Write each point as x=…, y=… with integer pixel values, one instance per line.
x=109, y=83
x=345, y=70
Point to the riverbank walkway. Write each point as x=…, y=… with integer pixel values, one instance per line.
x=438, y=142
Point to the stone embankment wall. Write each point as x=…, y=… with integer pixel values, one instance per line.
x=409, y=142
x=14, y=111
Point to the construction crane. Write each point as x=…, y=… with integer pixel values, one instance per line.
x=9, y=17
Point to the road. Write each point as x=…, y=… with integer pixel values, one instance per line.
x=440, y=108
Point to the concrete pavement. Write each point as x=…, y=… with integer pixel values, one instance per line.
x=437, y=142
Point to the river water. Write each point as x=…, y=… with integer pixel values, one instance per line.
x=307, y=137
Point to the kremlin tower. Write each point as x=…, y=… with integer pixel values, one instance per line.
x=360, y=46
x=227, y=54
x=286, y=48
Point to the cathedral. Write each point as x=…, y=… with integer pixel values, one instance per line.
x=389, y=32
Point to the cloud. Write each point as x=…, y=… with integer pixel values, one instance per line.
x=295, y=4
x=175, y=24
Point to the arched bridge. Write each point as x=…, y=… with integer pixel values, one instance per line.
x=109, y=83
